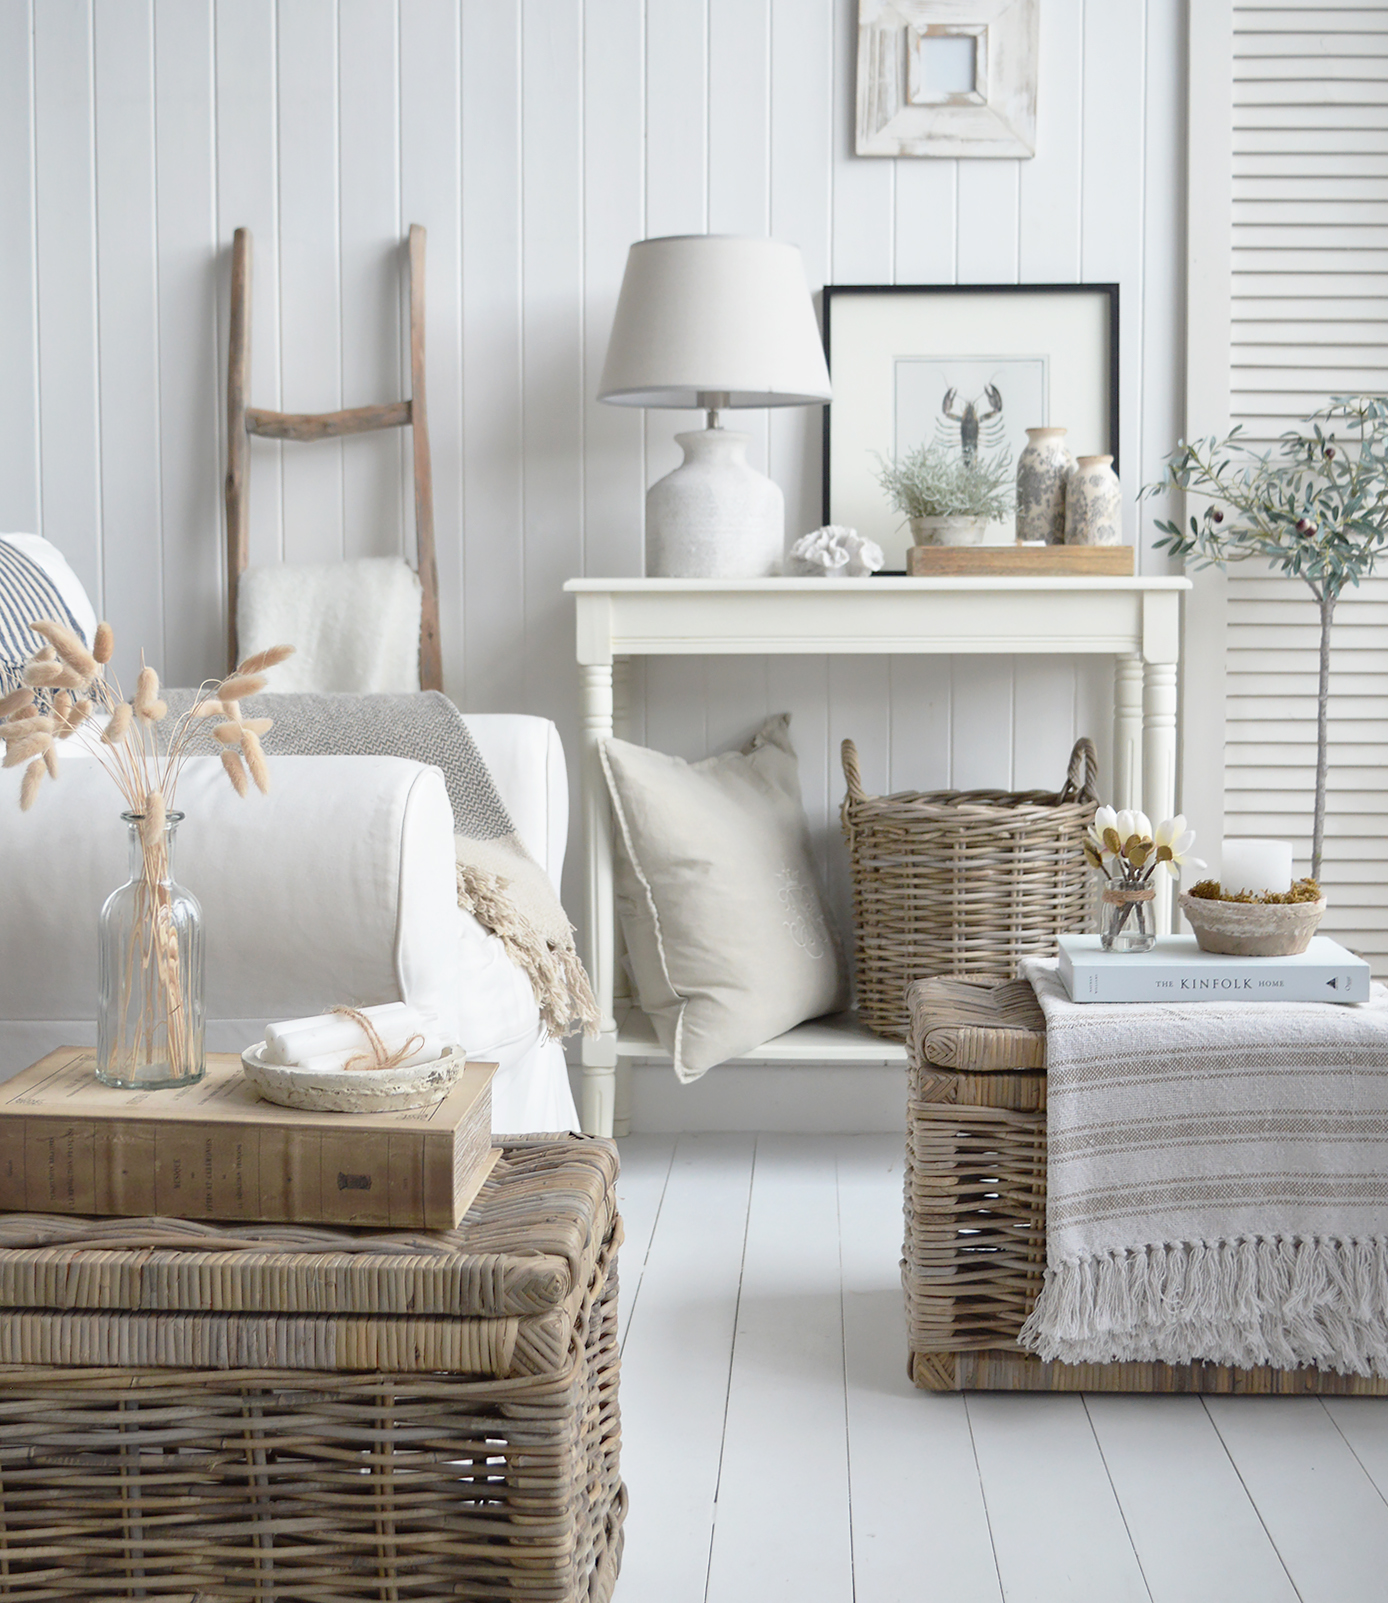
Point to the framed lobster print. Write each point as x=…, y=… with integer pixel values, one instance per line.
x=966, y=366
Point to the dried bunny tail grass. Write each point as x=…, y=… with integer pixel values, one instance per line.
x=148, y=707
x=153, y=816
x=259, y=726
x=103, y=642
x=62, y=706
x=50, y=760
x=16, y=701
x=236, y=771
x=239, y=685
x=232, y=709
x=228, y=734
x=119, y=726
x=44, y=673
x=21, y=751
x=208, y=708
x=255, y=761
x=81, y=711
x=265, y=659
x=69, y=647
x=33, y=778
x=23, y=728
x=45, y=654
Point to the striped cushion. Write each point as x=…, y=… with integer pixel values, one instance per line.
x=26, y=594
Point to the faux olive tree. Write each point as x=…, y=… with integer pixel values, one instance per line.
x=1318, y=509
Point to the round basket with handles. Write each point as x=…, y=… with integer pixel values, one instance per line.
x=962, y=882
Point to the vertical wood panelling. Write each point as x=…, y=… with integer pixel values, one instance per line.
x=1112, y=204
x=19, y=355
x=431, y=194
x=1048, y=185
x=310, y=272
x=248, y=197
x=535, y=141
x=614, y=476
x=493, y=509
x=376, y=515
x=552, y=341
x=127, y=306
x=189, y=448
x=65, y=224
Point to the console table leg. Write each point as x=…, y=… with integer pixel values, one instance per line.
x=1159, y=763
x=1127, y=731
x=600, y=1055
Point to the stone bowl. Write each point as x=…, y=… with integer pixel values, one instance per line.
x=1252, y=929
x=352, y=1090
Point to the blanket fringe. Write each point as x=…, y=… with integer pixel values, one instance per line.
x=1282, y=1301
x=560, y=982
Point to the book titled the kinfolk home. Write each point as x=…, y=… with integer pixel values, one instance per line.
x=1176, y=970
x=214, y=1150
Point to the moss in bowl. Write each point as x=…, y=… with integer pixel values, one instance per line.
x=1242, y=924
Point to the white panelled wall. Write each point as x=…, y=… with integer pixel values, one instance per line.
x=535, y=139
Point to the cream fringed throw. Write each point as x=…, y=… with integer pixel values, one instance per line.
x=1216, y=1183
x=499, y=882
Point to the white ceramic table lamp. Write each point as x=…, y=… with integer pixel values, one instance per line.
x=714, y=321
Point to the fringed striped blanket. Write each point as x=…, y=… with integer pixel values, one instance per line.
x=1217, y=1183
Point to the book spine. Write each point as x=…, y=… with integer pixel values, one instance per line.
x=1155, y=984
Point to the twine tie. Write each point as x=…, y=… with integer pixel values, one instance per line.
x=378, y=1057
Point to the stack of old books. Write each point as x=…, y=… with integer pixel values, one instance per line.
x=1177, y=970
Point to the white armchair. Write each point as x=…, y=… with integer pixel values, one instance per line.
x=337, y=886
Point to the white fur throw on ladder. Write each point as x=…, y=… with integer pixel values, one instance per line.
x=353, y=625
x=1216, y=1183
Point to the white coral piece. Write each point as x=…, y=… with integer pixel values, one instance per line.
x=835, y=552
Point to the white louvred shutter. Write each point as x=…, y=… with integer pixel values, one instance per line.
x=1310, y=320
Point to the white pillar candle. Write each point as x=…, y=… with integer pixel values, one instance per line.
x=1255, y=866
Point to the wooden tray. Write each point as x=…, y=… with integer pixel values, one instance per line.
x=1017, y=561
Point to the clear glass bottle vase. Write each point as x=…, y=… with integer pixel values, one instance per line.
x=150, y=1016
x=1127, y=916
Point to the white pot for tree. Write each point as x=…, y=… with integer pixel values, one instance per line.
x=955, y=529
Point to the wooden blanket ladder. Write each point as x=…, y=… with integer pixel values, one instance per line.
x=244, y=420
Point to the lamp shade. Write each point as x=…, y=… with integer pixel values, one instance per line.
x=713, y=313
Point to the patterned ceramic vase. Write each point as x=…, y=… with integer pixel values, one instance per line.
x=1093, y=503
x=1041, y=472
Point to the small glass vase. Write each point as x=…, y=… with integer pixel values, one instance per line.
x=1127, y=917
x=149, y=1032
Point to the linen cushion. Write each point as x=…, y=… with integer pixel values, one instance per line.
x=726, y=930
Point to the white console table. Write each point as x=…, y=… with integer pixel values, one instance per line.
x=1136, y=621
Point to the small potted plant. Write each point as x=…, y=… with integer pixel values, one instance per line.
x=948, y=496
x=1318, y=511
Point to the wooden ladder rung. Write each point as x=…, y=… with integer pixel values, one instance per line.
x=326, y=425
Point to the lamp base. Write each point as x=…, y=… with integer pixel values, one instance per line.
x=715, y=516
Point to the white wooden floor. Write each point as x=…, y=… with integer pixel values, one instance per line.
x=775, y=1450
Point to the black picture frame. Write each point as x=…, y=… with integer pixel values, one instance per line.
x=1108, y=293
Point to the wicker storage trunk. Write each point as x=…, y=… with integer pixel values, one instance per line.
x=963, y=882
x=268, y=1412
x=975, y=1205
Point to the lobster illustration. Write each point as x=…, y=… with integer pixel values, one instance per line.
x=971, y=421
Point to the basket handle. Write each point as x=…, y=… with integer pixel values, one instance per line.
x=1082, y=779
x=852, y=773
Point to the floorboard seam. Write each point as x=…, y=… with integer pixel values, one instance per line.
x=1118, y=1501
x=1345, y=1439
x=650, y=1242
x=1252, y=1501
x=732, y=1359
x=983, y=1494
x=843, y=1360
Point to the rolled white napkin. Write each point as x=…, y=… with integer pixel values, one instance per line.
x=331, y=1062
x=294, y=1042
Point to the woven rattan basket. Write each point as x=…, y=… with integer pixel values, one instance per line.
x=195, y=1411
x=975, y=1205
x=963, y=882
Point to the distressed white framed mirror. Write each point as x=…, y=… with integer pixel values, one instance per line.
x=947, y=77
